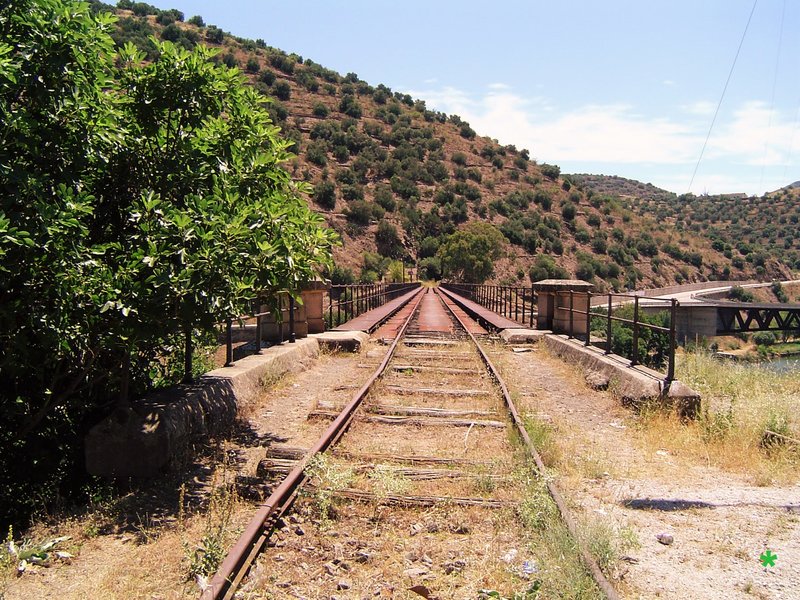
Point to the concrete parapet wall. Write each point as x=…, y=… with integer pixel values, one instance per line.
x=635, y=385
x=159, y=430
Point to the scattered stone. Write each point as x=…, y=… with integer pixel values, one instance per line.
x=459, y=528
x=363, y=556
x=597, y=381
x=454, y=566
x=433, y=527
x=529, y=568
x=330, y=568
x=421, y=590
x=630, y=559
x=416, y=528
x=665, y=538
x=510, y=555
x=299, y=530
x=416, y=572
x=343, y=585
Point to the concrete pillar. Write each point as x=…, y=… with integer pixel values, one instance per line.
x=553, y=301
x=313, y=298
x=695, y=321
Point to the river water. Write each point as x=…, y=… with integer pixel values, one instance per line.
x=784, y=364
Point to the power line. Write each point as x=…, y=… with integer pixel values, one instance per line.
x=725, y=89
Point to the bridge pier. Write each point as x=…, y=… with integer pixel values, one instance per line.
x=554, y=301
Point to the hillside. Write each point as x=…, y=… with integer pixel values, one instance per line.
x=393, y=178
x=758, y=232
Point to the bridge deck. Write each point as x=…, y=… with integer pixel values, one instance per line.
x=372, y=319
x=482, y=313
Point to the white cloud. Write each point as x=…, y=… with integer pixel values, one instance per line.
x=755, y=135
x=609, y=133
x=606, y=135
x=703, y=108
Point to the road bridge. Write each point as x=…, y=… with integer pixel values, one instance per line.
x=705, y=313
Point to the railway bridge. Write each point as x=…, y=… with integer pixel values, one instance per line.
x=435, y=411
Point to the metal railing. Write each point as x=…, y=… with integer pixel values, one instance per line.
x=605, y=312
x=256, y=314
x=346, y=302
x=517, y=303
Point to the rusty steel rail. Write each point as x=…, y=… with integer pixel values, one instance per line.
x=589, y=562
x=236, y=564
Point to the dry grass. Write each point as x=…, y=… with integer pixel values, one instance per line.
x=741, y=402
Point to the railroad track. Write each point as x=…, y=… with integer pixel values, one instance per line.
x=423, y=484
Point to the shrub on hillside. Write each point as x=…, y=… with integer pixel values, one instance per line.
x=388, y=241
x=550, y=171
x=252, y=66
x=282, y=90
x=350, y=106
x=739, y=294
x=325, y=194
x=358, y=212
x=544, y=267
x=320, y=110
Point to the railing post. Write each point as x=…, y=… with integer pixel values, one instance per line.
x=258, y=331
x=228, y=342
x=608, y=326
x=671, y=363
x=571, y=315
x=635, y=349
x=588, y=318
x=531, y=306
x=187, y=357
x=291, y=320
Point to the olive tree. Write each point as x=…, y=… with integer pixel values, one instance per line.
x=468, y=255
x=141, y=202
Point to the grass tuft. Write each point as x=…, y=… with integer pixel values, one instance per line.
x=741, y=403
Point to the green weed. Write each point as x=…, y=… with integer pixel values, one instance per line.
x=328, y=477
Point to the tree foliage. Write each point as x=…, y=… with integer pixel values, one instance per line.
x=139, y=202
x=469, y=254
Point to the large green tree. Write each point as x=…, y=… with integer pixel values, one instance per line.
x=140, y=204
x=469, y=254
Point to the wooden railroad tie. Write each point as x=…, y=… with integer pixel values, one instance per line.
x=295, y=454
x=405, y=420
x=402, y=390
x=415, y=411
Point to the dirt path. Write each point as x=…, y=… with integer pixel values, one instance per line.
x=720, y=522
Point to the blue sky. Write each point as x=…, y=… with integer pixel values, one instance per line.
x=618, y=87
